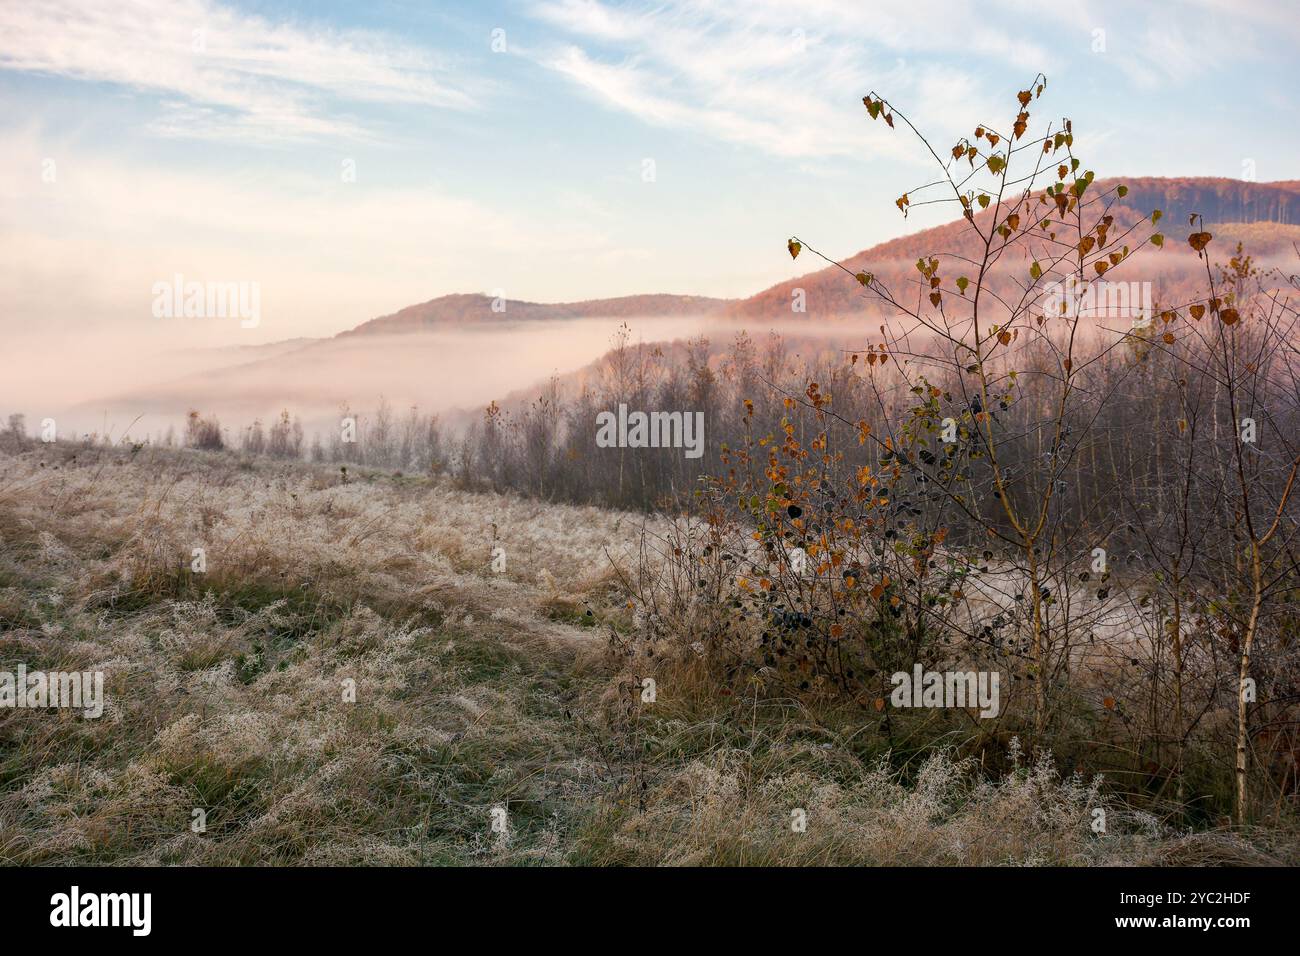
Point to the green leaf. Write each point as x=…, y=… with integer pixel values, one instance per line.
x=1036, y=271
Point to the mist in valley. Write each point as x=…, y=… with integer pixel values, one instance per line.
x=123, y=388
x=115, y=387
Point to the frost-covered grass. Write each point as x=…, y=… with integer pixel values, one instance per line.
x=229, y=692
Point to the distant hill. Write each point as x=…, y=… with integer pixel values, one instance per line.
x=469, y=310
x=1264, y=216
x=452, y=351
x=455, y=351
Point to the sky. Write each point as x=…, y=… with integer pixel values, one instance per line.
x=354, y=158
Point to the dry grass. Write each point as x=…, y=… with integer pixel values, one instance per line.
x=473, y=690
x=734, y=809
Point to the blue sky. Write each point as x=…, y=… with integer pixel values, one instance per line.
x=212, y=138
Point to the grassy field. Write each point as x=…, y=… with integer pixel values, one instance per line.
x=352, y=680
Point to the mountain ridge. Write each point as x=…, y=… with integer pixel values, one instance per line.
x=1220, y=200
x=1273, y=207
x=471, y=309
x=389, y=355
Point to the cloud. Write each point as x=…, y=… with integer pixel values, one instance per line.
x=1164, y=53
x=223, y=73
x=86, y=248
x=628, y=87
x=782, y=78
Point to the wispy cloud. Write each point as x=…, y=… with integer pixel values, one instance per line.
x=86, y=248
x=1168, y=53
x=775, y=76
x=221, y=72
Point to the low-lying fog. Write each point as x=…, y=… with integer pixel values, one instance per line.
x=99, y=385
